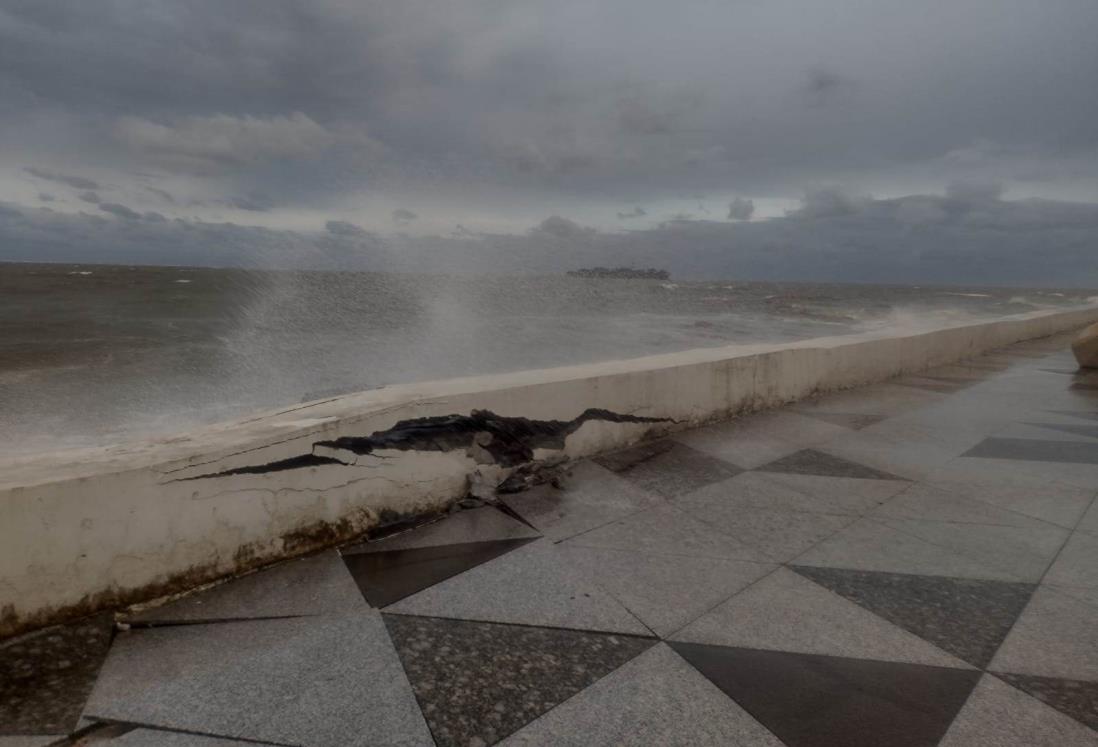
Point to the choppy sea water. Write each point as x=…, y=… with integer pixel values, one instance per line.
x=96, y=354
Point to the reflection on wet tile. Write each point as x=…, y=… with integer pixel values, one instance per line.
x=667, y=468
x=587, y=497
x=966, y=617
x=853, y=420
x=478, y=682
x=387, y=577
x=812, y=462
x=1036, y=450
x=1076, y=698
x=810, y=700
x=46, y=676
x=1077, y=414
x=942, y=386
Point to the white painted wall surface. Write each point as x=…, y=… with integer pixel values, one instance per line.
x=89, y=529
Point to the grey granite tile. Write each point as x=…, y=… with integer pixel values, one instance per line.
x=46, y=676
x=144, y=737
x=325, y=680
x=387, y=577
x=1056, y=636
x=878, y=399
x=534, y=585
x=904, y=456
x=1038, y=432
x=998, y=715
x=940, y=386
x=35, y=740
x=1089, y=521
x=481, y=524
x=813, y=462
x=1058, y=503
x=667, y=468
x=1077, y=563
x=655, y=699
x=933, y=503
x=809, y=700
x=759, y=438
x=790, y=492
x=966, y=371
x=1035, y=450
x=779, y=535
x=1081, y=414
x=589, y=496
x=869, y=545
x=855, y=421
x=968, y=618
x=478, y=682
x=1086, y=431
x=652, y=587
x=785, y=612
x=1073, y=697
x=307, y=586
x=978, y=470
x=1023, y=552
x=667, y=530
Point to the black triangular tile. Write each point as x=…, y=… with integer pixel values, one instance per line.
x=853, y=420
x=46, y=676
x=812, y=462
x=478, y=682
x=810, y=700
x=1076, y=698
x=969, y=618
x=1035, y=450
x=1077, y=414
x=1076, y=429
x=387, y=577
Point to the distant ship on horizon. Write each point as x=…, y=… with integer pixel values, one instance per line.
x=649, y=273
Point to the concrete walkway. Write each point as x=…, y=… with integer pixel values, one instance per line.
x=913, y=563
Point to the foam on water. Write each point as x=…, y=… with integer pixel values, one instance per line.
x=124, y=353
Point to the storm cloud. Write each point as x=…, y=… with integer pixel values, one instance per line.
x=956, y=238
x=276, y=117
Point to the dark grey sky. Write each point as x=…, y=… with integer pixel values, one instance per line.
x=416, y=125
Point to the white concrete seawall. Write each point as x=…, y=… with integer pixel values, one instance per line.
x=91, y=529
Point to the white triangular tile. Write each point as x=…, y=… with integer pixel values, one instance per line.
x=787, y=612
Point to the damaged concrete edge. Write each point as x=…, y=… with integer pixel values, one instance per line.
x=486, y=437
x=145, y=528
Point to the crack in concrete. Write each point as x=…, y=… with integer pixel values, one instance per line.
x=486, y=437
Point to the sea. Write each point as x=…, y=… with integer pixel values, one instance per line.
x=96, y=355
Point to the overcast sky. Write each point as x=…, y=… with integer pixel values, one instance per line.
x=878, y=140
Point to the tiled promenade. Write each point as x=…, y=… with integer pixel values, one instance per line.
x=913, y=563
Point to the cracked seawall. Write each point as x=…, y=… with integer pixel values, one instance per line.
x=96, y=528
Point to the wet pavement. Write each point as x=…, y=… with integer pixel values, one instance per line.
x=910, y=563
